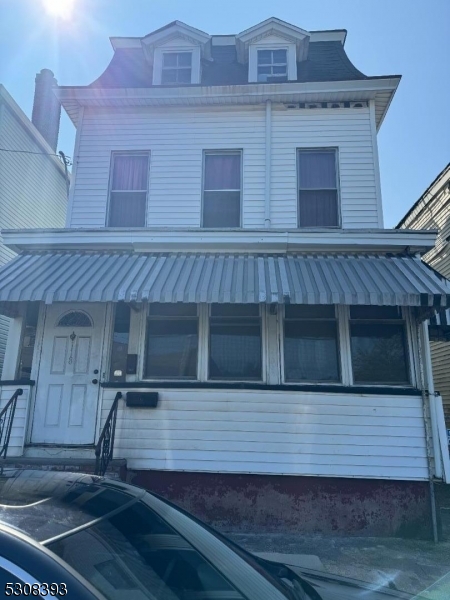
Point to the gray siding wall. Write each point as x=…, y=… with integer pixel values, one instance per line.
x=436, y=215
x=32, y=187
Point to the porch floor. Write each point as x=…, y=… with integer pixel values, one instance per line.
x=116, y=468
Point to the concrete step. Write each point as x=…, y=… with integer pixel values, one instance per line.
x=116, y=468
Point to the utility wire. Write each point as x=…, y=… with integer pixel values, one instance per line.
x=31, y=152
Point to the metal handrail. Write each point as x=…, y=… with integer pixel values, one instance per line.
x=105, y=446
x=6, y=422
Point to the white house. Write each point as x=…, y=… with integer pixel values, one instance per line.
x=225, y=267
x=33, y=186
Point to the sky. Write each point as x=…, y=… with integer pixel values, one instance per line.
x=385, y=37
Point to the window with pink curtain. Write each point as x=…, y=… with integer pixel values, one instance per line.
x=318, y=192
x=222, y=189
x=128, y=197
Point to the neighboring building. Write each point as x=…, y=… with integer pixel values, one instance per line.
x=432, y=211
x=226, y=268
x=33, y=187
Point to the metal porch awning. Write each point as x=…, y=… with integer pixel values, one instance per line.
x=224, y=278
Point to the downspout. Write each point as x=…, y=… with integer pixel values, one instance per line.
x=424, y=364
x=268, y=164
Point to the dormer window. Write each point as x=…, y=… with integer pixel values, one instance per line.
x=272, y=66
x=176, y=67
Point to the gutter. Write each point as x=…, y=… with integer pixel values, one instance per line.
x=221, y=240
x=268, y=164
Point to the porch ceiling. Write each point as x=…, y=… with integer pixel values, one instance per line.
x=224, y=278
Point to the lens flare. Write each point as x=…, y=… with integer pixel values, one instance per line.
x=60, y=9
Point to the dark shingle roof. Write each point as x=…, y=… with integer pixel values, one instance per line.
x=327, y=61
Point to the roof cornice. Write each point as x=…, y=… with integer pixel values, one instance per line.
x=220, y=240
x=381, y=89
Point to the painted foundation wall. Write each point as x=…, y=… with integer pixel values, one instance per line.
x=303, y=505
x=274, y=433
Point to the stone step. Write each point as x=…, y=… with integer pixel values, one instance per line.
x=116, y=468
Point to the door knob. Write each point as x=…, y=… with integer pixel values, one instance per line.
x=95, y=371
x=95, y=381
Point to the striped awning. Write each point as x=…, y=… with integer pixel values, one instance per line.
x=231, y=278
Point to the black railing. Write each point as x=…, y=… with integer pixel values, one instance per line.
x=105, y=446
x=6, y=422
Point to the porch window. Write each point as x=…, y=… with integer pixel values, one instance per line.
x=272, y=65
x=128, y=195
x=378, y=345
x=222, y=189
x=176, y=67
x=28, y=341
x=311, y=344
x=172, y=341
x=317, y=188
x=121, y=336
x=235, y=342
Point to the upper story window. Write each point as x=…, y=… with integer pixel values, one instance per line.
x=222, y=189
x=317, y=188
x=176, y=67
x=378, y=345
x=128, y=194
x=272, y=66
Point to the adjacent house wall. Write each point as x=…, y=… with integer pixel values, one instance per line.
x=33, y=190
x=177, y=137
x=433, y=212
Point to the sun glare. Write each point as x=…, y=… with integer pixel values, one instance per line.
x=61, y=9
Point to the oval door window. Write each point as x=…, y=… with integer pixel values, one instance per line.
x=75, y=318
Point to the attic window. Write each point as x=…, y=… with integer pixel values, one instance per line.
x=272, y=65
x=176, y=67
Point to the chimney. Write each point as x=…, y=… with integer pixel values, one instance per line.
x=46, y=107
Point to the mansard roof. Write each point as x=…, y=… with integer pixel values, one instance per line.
x=326, y=61
x=323, y=57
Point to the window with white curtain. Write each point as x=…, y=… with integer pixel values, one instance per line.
x=222, y=189
x=128, y=193
x=317, y=188
x=311, y=344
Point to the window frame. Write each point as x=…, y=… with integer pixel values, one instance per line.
x=263, y=349
x=408, y=349
x=319, y=149
x=143, y=345
x=177, y=68
x=221, y=152
x=114, y=154
x=339, y=346
x=271, y=65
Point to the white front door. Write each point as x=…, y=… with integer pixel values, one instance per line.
x=67, y=389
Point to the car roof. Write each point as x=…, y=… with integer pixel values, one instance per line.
x=45, y=504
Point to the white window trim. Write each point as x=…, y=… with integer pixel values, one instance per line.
x=115, y=153
x=158, y=62
x=220, y=152
x=338, y=183
x=291, y=56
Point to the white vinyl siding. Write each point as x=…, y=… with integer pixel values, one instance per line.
x=18, y=431
x=177, y=138
x=33, y=190
x=349, y=131
x=291, y=433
